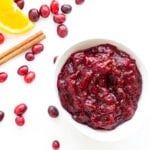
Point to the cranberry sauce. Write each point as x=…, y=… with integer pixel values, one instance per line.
x=100, y=86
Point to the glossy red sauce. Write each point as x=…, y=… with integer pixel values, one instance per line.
x=100, y=86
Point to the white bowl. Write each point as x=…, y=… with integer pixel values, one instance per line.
x=129, y=127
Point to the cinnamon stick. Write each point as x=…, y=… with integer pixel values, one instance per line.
x=21, y=47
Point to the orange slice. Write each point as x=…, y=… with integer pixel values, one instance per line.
x=12, y=19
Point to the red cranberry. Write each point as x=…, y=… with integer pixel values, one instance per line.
x=29, y=56
x=54, y=6
x=34, y=15
x=78, y=2
x=44, y=11
x=23, y=70
x=66, y=8
x=1, y=38
x=3, y=77
x=1, y=115
x=37, y=48
x=59, y=18
x=20, y=3
x=53, y=111
x=29, y=78
x=62, y=30
x=20, y=121
x=55, y=59
x=20, y=109
x=55, y=144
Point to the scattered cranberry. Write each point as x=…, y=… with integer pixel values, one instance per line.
x=66, y=8
x=55, y=59
x=44, y=11
x=59, y=18
x=20, y=109
x=1, y=38
x=54, y=6
x=62, y=30
x=20, y=121
x=1, y=115
x=29, y=77
x=29, y=56
x=3, y=76
x=34, y=15
x=53, y=111
x=55, y=144
x=23, y=70
x=37, y=48
x=78, y=2
x=20, y=3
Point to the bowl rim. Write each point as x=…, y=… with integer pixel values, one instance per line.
x=124, y=130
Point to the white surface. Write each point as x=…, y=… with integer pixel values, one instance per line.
x=124, y=21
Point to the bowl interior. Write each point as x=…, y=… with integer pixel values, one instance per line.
x=124, y=130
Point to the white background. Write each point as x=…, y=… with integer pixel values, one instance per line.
x=124, y=21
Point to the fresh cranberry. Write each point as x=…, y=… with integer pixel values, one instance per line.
x=37, y=48
x=59, y=18
x=78, y=2
x=20, y=109
x=1, y=38
x=53, y=111
x=54, y=6
x=55, y=59
x=20, y=3
x=3, y=77
x=34, y=15
x=103, y=86
x=62, y=30
x=29, y=56
x=23, y=70
x=20, y=121
x=44, y=11
x=29, y=78
x=66, y=8
x=55, y=145
x=2, y=114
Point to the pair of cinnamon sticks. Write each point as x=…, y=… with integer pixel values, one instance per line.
x=21, y=47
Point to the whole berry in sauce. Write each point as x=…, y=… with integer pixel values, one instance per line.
x=66, y=8
x=62, y=30
x=34, y=14
x=2, y=38
x=37, y=48
x=55, y=145
x=78, y=2
x=29, y=78
x=44, y=11
x=53, y=111
x=54, y=6
x=20, y=109
x=29, y=56
x=2, y=114
x=23, y=70
x=3, y=76
x=20, y=121
x=59, y=18
x=20, y=3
